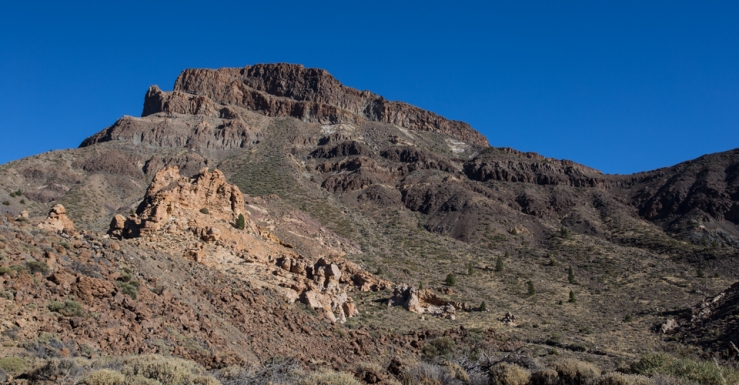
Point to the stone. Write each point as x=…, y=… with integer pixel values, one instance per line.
x=57, y=220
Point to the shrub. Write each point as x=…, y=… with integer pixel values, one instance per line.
x=545, y=377
x=483, y=307
x=700, y=273
x=241, y=222
x=615, y=378
x=450, y=280
x=442, y=346
x=576, y=372
x=564, y=232
x=426, y=373
x=204, y=210
x=18, y=193
x=470, y=268
x=6, y=203
x=104, y=377
x=130, y=288
x=22, y=201
x=628, y=318
x=572, y=297
x=509, y=374
x=531, y=289
x=499, y=263
x=702, y=372
x=5, y=270
x=329, y=377
x=37, y=267
x=13, y=365
x=167, y=370
x=68, y=308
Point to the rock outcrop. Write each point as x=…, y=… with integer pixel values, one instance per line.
x=309, y=94
x=199, y=215
x=425, y=301
x=57, y=220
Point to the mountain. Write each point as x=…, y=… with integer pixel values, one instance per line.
x=587, y=263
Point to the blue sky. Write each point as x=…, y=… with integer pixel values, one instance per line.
x=620, y=86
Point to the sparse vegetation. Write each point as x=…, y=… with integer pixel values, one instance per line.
x=13, y=365
x=499, y=263
x=37, y=267
x=701, y=372
x=68, y=308
x=438, y=347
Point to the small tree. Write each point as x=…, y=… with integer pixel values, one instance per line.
x=531, y=290
x=420, y=285
x=450, y=280
x=507, y=254
x=483, y=307
x=470, y=268
x=700, y=273
x=241, y=222
x=564, y=232
x=572, y=297
x=571, y=276
x=499, y=263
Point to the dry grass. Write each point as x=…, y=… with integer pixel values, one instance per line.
x=509, y=374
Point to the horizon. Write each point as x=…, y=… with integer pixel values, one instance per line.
x=622, y=89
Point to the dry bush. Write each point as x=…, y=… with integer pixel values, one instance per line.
x=167, y=370
x=576, y=372
x=545, y=377
x=509, y=374
x=278, y=372
x=702, y=372
x=329, y=377
x=615, y=378
x=104, y=377
x=427, y=374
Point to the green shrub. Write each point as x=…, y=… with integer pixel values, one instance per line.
x=702, y=372
x=531, y=289
x=13, y=365
x=5, y=270
x=700, y=274
x=23, y=201
x=68, y=308
x=37, y=267
x=573, y=299
x=241, y=222
x=18, y=193
x=509, y=374
x=6, y=203
x=204, y=210
x=499, y=263
x=483, y=307
x=450, y=280
x=442, y=346
x=130, y=288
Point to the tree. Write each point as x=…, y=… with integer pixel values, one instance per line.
x=241, y=222
x=700, y=273
x=532, y=290
x=571, y=276
x=483, y=307
x=450, y=280
x=572, y=297
x=499, y=264
x=470, y=268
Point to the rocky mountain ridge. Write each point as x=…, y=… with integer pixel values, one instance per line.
x=343, y=192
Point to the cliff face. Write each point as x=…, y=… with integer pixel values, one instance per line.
x=309, y=94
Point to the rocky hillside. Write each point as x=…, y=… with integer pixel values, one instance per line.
x=346, y=195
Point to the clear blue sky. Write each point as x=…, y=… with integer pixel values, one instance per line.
x=622, y=86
